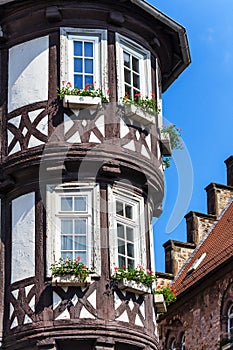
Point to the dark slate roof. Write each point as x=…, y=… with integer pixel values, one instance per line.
x=213, y=251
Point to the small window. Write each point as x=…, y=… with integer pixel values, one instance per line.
x=230, y=321
x=85, y=62
x=133, y=68
x=84, y=58
x=127, y=238
x=173, y=345
x=183, y=342
x=72, y=215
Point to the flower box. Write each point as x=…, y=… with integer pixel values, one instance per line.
x=70, y=280
x=166, y=148
x=134, y=287
x=77, y=102
x=139, y=115
x=159, y=303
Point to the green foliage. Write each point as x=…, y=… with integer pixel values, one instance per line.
x=175, y=139
x=175, y=136
x=66, y=267
x=146, y=103
x=169, y=294
x=89, y=90
x=137, y=274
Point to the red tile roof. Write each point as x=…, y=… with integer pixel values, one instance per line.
x=218, y=246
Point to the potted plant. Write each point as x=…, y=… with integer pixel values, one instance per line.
x=141, y=109
x=164, y=296
x=170, y=137
x=81, y=98
x=136, y=280
x=68, y=272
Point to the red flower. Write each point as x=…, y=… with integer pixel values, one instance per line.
x=108, y=91
x=137, y=94
x=152, y=95
x=123, y=267
x=69, y=84
x=116, y=268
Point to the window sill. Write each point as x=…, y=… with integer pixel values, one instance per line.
x=166, y=149
x=134, y=287
x=139, y=115
x=159, y=303
x=70, y=280
x=77, y=102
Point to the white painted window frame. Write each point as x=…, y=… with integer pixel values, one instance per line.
x=144, y=56
x=230, y=318
x=99, y=37
x=137, y=202
x=54, y=192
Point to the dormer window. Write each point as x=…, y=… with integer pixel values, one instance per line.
x=133, y=68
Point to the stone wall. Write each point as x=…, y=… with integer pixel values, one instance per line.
x=198, y=225
x=218, y=196
x=198, y=316
x=176, y=253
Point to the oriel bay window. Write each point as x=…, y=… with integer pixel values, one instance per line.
x=73, y=227
x=126, y=229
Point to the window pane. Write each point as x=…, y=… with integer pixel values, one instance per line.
x=120, y=231
x=80, y=243
x=130, y=263
x=129, y=234
x=66, y=226
x=88, y=49
x=135, y=63
x=81, y=226
x=88, y=66
x=65, y=255
x=129, y=211
x=127, y=76
x=136, y=81
x=78, y=48
x=83, y=256
x=126, y=59
x=66, y=243
x=121, y=247
x=130, y=250
x=78, y=65
x=80, y=203
x=66, y=203
x=128, y=91
x=88, y=80
x=78, y=81
x=121, y=261
x=119, y=208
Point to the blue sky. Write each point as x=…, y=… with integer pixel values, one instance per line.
x=200, y=102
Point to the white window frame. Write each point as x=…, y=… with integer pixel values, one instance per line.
x=137, y=202
x=229, y=320
x=124, y=43
x=54, y=193
x=99, y=38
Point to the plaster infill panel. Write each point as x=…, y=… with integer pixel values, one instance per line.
x=23, y=237
x=28, y=73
